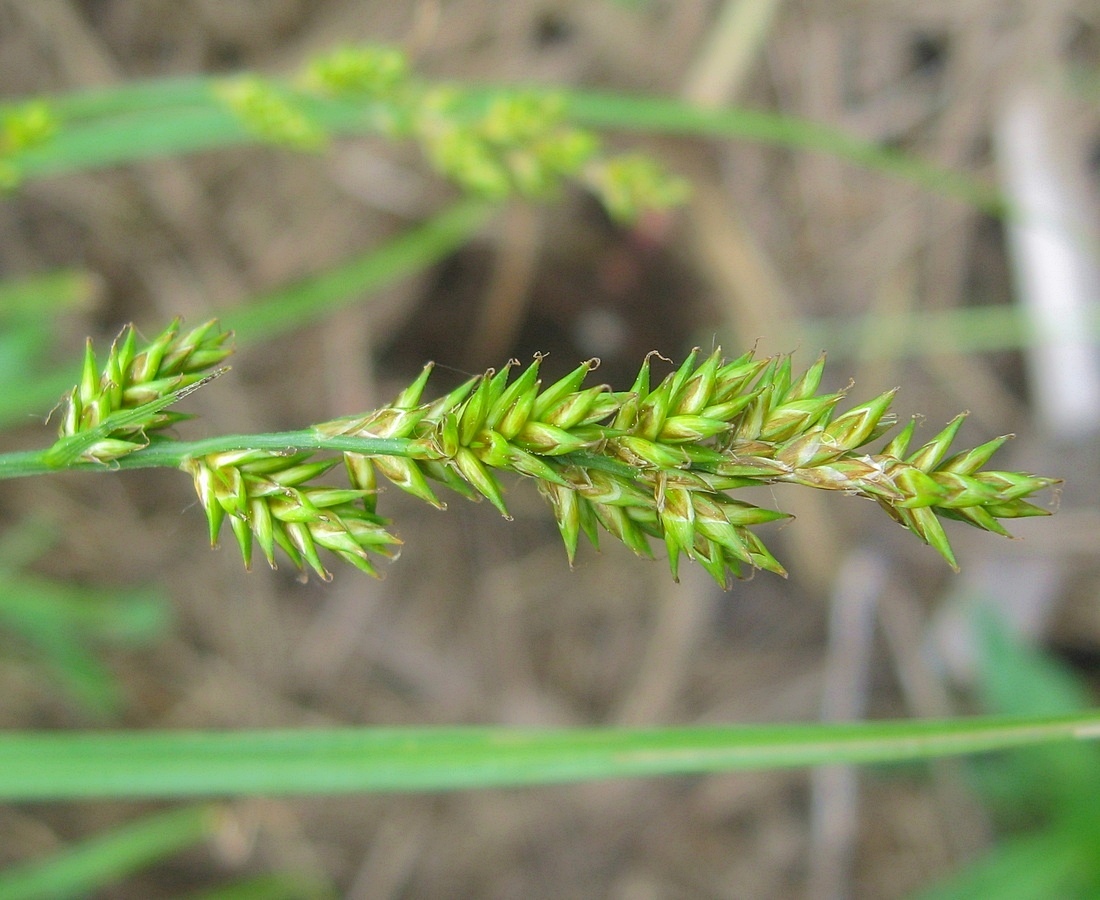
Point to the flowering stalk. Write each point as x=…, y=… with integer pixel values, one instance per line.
x=652, y=463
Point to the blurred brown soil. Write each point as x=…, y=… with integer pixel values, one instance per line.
x=481, y=620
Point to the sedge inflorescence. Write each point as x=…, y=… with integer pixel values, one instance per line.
x=112, y=412
x=656, y=464
x=660, y=462
x=270, y=502
x=493, y=144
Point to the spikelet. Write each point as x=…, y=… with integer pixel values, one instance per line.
x=269, y=502
x=112, y=411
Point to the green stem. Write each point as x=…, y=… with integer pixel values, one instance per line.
x=172, y=454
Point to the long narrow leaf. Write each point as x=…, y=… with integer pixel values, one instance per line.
x=29, y=309
x=269, y=315
x=51, y=766
x=1032, y=867
x=967, y=329
x=306, y=301
x=669, y=116
x=277, y=886
x=100, y=143
x=172, y=116
x=105, y=858
x=42, y=297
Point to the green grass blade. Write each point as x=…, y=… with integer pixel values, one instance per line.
x=128, y=97
x=299, y=304
x=147, y=120
x=1033, y=867
x=669, y=116
x=42, y=297
x=42, y=766
x=157, y=132
x=1017, y=679
x=26, y=400
x=263, y=317
x=133, y=137
x=1051, y=788
x=106, y=858
x=61, y=624
x=965, y=329
x=83, y=677
x=270, y=887
x=34, y=605
x=172, y=116
x=29, y=308
x=1058, y=781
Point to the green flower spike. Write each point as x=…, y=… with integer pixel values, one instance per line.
x=659, y=462
x=112, y=413
x=268, y=501
x=493, y=145
x=270, y=112
x=520, y=144
x=651, y=466
x=359, y=72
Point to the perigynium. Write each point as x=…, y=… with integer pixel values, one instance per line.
x=654, y=463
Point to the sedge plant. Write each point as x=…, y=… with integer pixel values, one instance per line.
x=658, y=462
